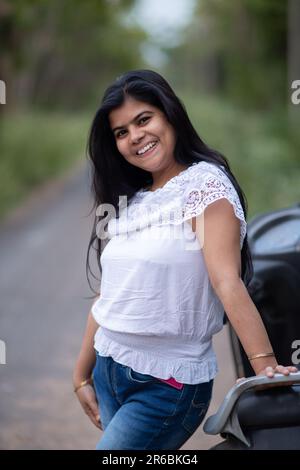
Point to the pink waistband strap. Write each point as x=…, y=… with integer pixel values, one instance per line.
x=173, y=382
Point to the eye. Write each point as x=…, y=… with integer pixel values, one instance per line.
x=144, y=118
x=118, y=134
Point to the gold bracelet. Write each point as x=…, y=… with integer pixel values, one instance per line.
x=256, y=356
x=83, y=383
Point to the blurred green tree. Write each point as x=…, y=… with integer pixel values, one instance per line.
x=238, y=48
x=60, y=53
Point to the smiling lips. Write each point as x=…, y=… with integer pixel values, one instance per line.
x=147, y=147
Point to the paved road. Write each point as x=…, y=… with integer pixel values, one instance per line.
x=44, y=305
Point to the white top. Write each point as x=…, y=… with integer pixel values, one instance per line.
x=157, y=308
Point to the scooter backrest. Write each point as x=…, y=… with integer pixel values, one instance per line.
x=228, y=417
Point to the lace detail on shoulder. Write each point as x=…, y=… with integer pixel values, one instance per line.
x=213, y=185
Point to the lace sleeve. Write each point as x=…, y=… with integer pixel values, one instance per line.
x=208, y=188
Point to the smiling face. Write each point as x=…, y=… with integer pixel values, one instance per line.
x=143, y=135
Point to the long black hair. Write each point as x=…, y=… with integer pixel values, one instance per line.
x=113, y=176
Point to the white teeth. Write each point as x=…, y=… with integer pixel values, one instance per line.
x=147, y=147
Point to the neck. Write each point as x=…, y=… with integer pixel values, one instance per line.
x=160, y=178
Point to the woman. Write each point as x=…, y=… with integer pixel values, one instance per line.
x=167, y=277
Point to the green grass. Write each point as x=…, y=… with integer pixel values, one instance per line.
x=258, y=145
x=34, y=148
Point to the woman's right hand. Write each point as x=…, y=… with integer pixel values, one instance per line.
x=87, y=398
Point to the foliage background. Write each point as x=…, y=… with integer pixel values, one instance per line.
x=229, y=65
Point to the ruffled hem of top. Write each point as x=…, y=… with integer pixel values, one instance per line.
x=183, y=371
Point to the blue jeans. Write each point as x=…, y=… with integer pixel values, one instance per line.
x=138, y=411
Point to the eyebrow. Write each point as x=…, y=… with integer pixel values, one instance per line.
x=134, y=119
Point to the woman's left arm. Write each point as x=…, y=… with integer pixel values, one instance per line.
x=218, y=232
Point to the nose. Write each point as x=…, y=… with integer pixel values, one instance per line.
x=136, y=135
